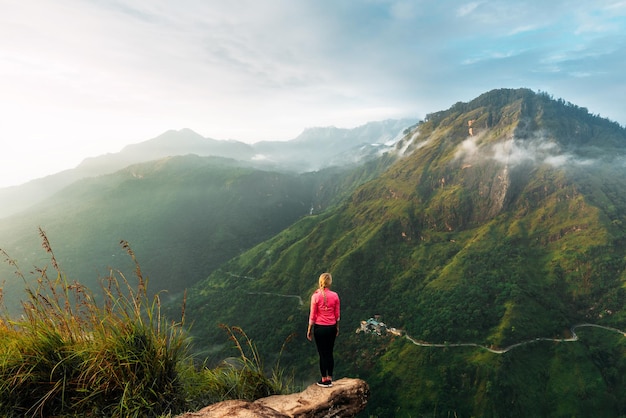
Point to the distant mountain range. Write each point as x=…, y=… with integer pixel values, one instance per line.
x=314, y=149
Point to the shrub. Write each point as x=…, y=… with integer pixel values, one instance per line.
x=71, y=355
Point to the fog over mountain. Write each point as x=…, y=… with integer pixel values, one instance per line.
x=315, y=148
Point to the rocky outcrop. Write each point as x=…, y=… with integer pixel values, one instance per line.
x=346, y=398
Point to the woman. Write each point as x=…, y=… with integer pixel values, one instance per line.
x=324, y=322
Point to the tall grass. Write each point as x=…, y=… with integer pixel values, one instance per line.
x=69, y=354
x=244, y=377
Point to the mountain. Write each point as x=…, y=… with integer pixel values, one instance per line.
x=170, y=143
x=314, y=149
x=494, y=246
x=318, y=148
x=183, y=216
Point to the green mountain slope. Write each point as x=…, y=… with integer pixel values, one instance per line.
x=183, y=216
x=510, y=232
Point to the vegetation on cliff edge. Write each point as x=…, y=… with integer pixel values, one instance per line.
x=69, y=354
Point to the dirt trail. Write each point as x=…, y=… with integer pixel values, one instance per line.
x=237, y=276
x=278, y=294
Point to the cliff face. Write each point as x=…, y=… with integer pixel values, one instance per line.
x=346, y=398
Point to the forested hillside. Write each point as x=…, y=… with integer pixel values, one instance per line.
x=184, y=216
x=504, y=224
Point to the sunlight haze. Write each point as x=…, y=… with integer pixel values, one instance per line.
x=80, y=78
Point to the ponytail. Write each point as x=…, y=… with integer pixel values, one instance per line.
x=325, y=281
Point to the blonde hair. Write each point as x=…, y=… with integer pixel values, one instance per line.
x=325, y=280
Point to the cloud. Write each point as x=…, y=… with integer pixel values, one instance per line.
x=467, y=9
x=467, y=150
x=514, y=152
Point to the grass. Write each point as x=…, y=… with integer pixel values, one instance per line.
x=71, y=353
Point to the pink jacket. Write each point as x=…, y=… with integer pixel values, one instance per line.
x=324, y=311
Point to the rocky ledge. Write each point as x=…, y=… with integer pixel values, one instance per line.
x=346, y=398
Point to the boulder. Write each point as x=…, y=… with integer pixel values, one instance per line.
x=346, y=398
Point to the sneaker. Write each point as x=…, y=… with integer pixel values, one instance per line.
x=325, y=384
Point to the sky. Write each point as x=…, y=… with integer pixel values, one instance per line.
x=82, y=78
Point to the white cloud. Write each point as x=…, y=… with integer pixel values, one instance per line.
x=467, y=149
x=466, y=9
x=514, y=152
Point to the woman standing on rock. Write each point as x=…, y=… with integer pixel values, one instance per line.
x=324, y=324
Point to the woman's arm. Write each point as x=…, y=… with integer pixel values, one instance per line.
x=312, y=317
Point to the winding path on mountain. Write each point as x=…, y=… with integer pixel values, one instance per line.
x=278, y=294
x=573, y=338
x=300, y=301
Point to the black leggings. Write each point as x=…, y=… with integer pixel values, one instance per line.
x=325, y=341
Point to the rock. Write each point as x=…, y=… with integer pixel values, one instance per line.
x=235, y=409
x=346, y=398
